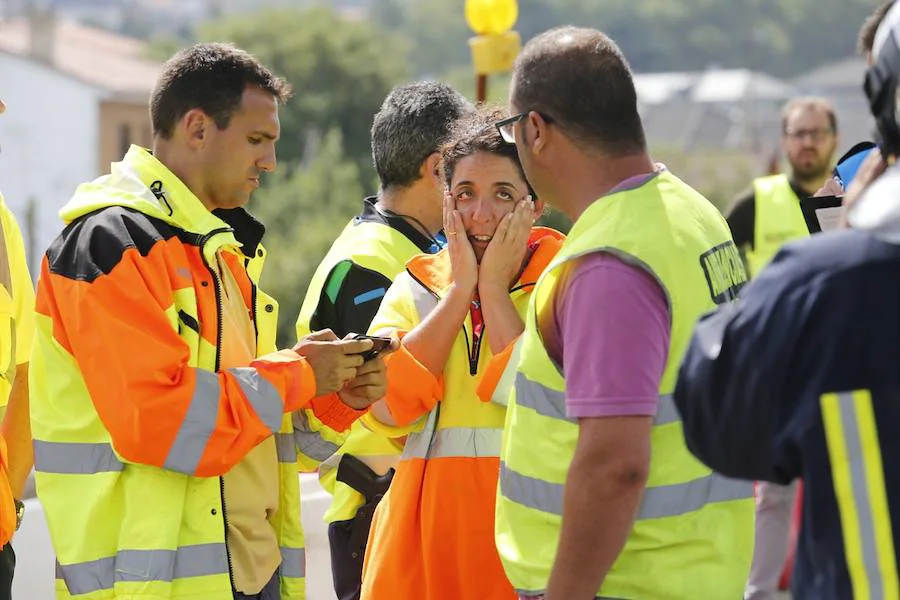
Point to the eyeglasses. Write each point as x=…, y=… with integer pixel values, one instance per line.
x=507, y=127
x=816, y=135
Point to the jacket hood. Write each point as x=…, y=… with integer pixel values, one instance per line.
x=142, y=183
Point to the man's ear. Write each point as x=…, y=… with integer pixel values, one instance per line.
x=540, y=132
x=538, y=208
x=195, y=125
x=431, y=167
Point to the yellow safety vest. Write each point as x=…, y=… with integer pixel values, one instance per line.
x=778, y=220
x=693, y=537
x=380, y=248
x=128, y=530
x=16, y=304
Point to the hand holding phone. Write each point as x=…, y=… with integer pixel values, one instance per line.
x=379, y=345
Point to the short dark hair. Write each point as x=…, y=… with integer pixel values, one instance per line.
x=809, y=103
x=477, y=132
x=414, y=121
x=581, y=80
x=211, y=77
x=870, y=26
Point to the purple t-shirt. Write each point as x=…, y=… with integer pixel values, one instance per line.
x=608, y=327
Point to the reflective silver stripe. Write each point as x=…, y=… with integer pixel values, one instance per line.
x=864, y=518
x=552, y=404
x=198, y=425
x=75, y=458
x=144, y=565
x=534, y=493
x=284, y=446
x=417, y=444
x=681, y=498
x=200, y=420
x=666, y=412
x=330, y=463
x=309, y=442
x=465, y=442
x=540, y=593
x=541, y=399
x=423, y=298
x=658, y=502
x=293, y=562
x=263, y=396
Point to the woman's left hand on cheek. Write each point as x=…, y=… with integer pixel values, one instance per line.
x=503, y=257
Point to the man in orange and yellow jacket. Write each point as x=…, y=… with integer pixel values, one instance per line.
x=167, y=427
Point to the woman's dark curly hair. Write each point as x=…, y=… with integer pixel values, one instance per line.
x=476, y=132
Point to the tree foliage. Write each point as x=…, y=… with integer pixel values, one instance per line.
x=783, y=38
x=341, y=69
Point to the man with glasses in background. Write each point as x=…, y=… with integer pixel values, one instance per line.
x=762, y=220
x=769, y=214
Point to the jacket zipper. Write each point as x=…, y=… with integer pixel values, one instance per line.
x=218, y=289
x=253, y=299
x=475, y=357
x=473, y=363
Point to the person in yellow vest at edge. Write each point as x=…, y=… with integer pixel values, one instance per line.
x=346, y=290
x=761, y=221
x=598, y=495
x=16, y=334
x=167, y=426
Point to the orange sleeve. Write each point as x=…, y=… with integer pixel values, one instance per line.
x=494, y=372
x=159, y=410
x=412, y=389
x=333, y=413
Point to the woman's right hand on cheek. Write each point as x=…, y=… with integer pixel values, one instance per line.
x=462, y=256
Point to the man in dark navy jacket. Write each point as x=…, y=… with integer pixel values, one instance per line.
x=800, y=378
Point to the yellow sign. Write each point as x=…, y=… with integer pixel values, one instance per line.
x=495, y=53
x=488, y=17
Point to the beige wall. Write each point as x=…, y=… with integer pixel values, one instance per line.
x=121, y=124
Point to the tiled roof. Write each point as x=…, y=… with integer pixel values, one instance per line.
x=100, y=58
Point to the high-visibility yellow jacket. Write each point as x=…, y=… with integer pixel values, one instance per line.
x=16, y=333
x=778, y=220
x=432, y=536
x=693, y=537
x=133, y=421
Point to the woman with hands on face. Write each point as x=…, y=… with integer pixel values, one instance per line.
x=456, y=313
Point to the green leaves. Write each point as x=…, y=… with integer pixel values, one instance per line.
x=341, y=70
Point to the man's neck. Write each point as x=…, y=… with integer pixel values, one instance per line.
x=809, y=185
x=169, y=159
x=411, y=202
x=583, y=181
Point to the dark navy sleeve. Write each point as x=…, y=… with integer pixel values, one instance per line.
x=350, y=298
x=735, y=389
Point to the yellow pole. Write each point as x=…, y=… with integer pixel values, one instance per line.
x=495, y=45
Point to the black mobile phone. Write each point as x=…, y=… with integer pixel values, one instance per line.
x=379, y=345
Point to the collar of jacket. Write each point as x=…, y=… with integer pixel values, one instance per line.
x=434, y=270
x=141, y=182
